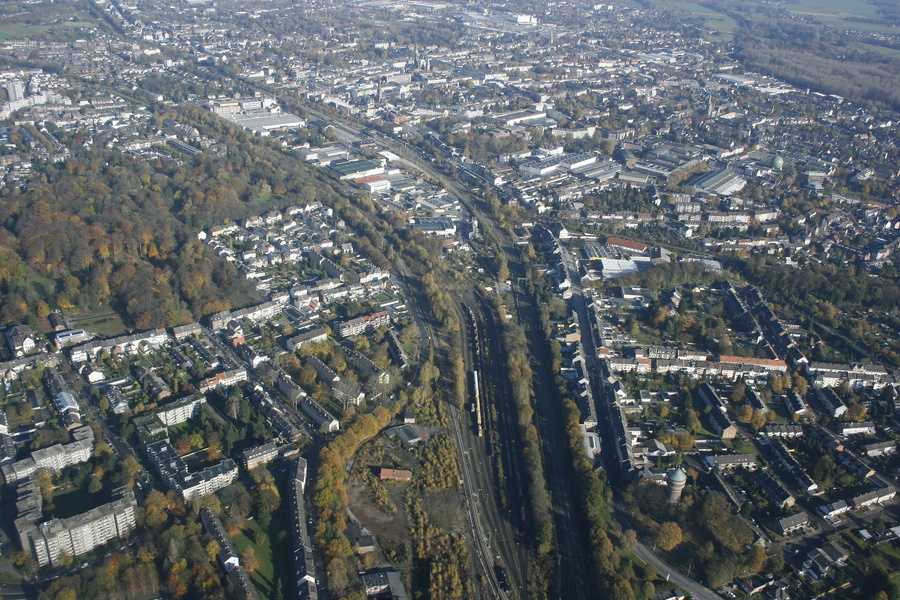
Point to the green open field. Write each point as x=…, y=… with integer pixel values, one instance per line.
x=22, y=30
x=10, y=579
x=878, y=50
x=722, y=23
x=714, y=20
x=840, y=13
x=273, y=555
x=103, y=322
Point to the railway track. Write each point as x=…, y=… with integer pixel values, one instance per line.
x=502, y=524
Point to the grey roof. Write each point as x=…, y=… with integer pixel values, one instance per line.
x=677, y=475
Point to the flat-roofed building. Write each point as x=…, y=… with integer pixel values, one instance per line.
x=362, y=324
x=264, y=123
x=355, y=169
x=81, y=533
x=180, y=410
x=259, y=456
x=53, y=458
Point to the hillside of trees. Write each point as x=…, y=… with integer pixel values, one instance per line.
x=821, y=66
x=771, y=41
x=104, y=229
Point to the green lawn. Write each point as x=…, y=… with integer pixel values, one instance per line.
x=7, y=578
x=841, y=13
x=22, y=30
x=878, y=50
x=273, y=556
x=102, y=322
x=720, y=22
x=186, y=428
x=835, y=9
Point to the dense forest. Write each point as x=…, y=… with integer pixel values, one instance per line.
x=103, y=229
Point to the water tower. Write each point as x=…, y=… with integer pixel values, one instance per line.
x=675, y=481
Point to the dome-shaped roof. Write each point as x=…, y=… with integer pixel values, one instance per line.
x=677, y=475
x=778, y=162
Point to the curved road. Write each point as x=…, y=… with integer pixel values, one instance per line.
x=671, y=574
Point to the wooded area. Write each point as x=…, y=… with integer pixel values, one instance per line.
x=106, y=230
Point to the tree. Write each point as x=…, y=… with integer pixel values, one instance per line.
x=131, y=466
x=692, y=421
x=94, y=485
x=669, y=536
x=684, y=440
x=629, y=540
x=25, y=562
x=856, y=411
x=45, y=481
x=338, y=579
x=775, y=383
x=622, y=590
x=155, y=506
x=212, y=550
x=757, y=559
x=758, y=419
x=214, y=441
x=249, y=560
x=65, y=593
x=233, y=404
x=502, y=267
x=801, y=385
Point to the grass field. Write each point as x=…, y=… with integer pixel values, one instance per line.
x=103, y=322
x=841, y=13
x=10, y=579
x=878, y=50
x=714, y=20
x=22, y=30
x=273, y=556
x=835, y=9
